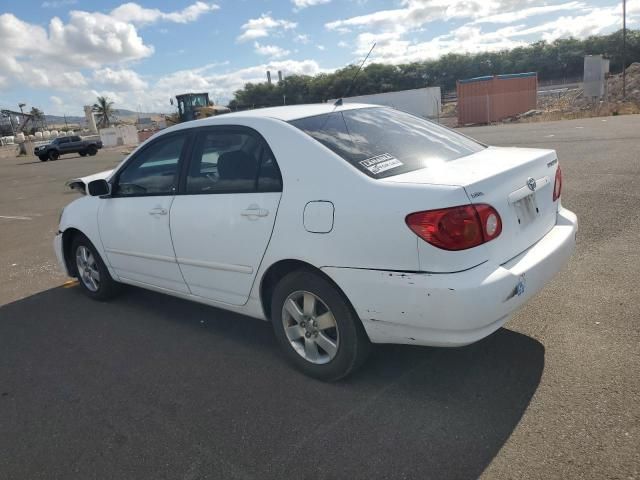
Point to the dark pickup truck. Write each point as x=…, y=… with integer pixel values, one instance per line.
x=65, y=145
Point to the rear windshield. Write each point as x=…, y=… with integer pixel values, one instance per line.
x=382, y=142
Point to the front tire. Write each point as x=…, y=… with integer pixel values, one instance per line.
x=43, y=158
x=92, y=273
x=83, y=154
x=316, y=327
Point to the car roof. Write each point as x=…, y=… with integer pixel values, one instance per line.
x=295, y=112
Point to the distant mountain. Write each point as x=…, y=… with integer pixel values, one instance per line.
x=121, y=114
x=60, y=119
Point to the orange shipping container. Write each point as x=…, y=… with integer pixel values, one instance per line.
x=493, y=98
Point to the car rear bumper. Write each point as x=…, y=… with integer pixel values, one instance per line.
x=454, y=309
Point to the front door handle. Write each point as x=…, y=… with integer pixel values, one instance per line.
x=255, y=211
x=158, y=211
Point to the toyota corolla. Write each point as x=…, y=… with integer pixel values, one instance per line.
x=341, y=225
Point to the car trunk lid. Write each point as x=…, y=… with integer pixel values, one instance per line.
x=517, y=182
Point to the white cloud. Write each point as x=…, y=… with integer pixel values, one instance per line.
x=88, y=54
x=321, y=48
x=58, y=3
x=516, y=15
x=263, y=27
x=122, y=80
x=272, y=51
x=93, y=39
x=53, y=58
x=136, y=14
x=417, y=13
x=57, y=101
x=582, y=26
x=300, y=4
x=395, y=31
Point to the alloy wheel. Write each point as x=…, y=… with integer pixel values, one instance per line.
x=310, y=327
x=87, y=268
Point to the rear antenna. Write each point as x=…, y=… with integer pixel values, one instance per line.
x=338, y=103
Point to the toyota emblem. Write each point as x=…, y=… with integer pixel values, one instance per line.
x=531, y=183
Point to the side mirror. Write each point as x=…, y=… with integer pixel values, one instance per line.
x=98, y=188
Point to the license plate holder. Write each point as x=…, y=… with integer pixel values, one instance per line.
x=527, y=209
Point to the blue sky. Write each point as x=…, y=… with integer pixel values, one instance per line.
x=59, y=54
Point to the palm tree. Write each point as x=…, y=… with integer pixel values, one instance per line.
x=37, y=117
x=104, y=111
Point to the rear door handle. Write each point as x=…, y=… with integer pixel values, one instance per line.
x=158, y=211
x=255, y=211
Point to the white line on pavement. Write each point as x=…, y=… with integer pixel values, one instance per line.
x=15, y=218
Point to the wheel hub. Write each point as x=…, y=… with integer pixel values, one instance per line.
x=87, y=269
x=310, y=327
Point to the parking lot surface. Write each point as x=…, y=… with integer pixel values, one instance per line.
x=149, y=386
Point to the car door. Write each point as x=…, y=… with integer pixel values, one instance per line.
x=62, y=144
x=72, y=144
x=134, y=220
x=222, y=221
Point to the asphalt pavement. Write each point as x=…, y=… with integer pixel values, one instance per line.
x=152, y=387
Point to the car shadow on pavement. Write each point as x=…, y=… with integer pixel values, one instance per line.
x=149, y=386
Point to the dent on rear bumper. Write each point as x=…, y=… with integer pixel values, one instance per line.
x=458, y=308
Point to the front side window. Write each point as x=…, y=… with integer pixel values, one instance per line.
x=232, y=161
x=382, y=142
x=154, y=171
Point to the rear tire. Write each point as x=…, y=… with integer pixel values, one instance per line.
x=54, y=155
x=323, y=337
x=92, y=150
x=43, y=158
x=92, y=273
x=83, y=154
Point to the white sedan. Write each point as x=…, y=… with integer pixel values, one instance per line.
x=343, y=226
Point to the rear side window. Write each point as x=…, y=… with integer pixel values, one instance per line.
x=382, y=142
x=232, y=161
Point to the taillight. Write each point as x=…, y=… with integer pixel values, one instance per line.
x=457, y=228
x=557, y=187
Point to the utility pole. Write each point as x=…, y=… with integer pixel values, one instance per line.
x=13, y=128
x=20, y=105
x=624, y=49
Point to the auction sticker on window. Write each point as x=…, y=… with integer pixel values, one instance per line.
x=381, y=163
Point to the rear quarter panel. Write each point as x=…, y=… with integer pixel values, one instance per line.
x=369, y=228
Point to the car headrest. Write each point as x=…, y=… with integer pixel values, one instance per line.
x=236, y=165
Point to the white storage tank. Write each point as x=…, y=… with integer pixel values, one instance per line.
x=46, y=134
x=421, y=102
x=38, y=135
x=54, y=133
x=62, y=133
x=32, y=138
x=69, y=133
x=20, y=138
